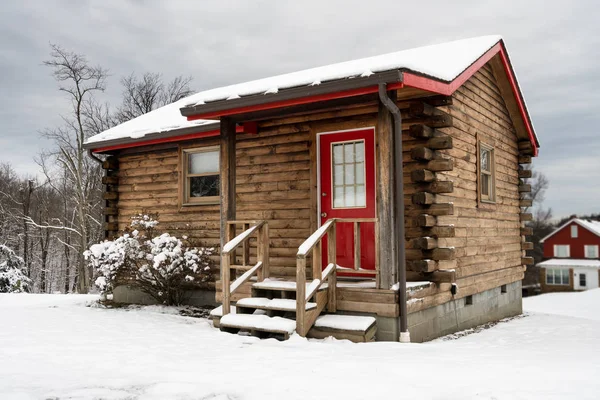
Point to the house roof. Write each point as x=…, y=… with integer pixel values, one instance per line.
x=592, y=226
x=569, y=262
x=440, y=68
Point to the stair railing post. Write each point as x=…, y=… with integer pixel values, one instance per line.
x=225, y=279
x=300, y=295
x=332, y=259
x=265, y=252
x=260, y=256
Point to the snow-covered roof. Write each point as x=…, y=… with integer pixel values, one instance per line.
x=164, y=119
x=569, y=262
x=443, y=62
x=592, y=226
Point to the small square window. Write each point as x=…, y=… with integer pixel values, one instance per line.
x=503, y=289
x=591, y=251
x=574, y=231
x=486, y=173
x=201, y=176
x=469, y=300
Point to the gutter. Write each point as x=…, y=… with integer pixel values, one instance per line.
x=399, y=210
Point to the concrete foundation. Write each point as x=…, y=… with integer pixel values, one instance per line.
x=131, y=295
x=456, y=315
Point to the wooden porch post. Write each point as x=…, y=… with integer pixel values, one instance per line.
x=227, y=175
x=385, y=197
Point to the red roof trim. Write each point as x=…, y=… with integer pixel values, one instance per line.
x=294, y=102
x=425, y=83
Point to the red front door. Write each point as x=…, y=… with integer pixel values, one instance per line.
x=347, y=183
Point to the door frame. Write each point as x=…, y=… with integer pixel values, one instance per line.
x=318, y=140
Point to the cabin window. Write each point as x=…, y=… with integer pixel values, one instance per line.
x=201, y=175
x=582, y=280
x=557, y=276
x=574, y=232
x=487, y=170
x=562, y=250
x=591, y=251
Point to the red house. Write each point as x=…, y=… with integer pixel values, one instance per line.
x=572, y=257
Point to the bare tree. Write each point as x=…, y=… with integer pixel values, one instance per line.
x=79, y=80
x=142, y=95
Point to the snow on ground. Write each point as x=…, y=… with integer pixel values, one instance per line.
x=53, y=347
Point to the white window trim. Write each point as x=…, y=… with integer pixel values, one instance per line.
x=568, y=250
x=186, y=199
x=553, y=272
x=574, y=231
x=592, y=246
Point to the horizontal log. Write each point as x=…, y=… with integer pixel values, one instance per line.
x=110, y=195
x=440, y=165
x=421, y=153
x=525, y=203
x=110, y=163
x=524, y=145
x=524, y=188
x=525, y=217
x=526, y=231
x=440, y=121
x=440, y=143
x=527, y=260
x=425, y=243
x=441, y=209
x=421, y=109
x=440, y=187
x=422, y=175
x=441, y=253
x=423, y=265
x=524, y=159
x=526, y=246
x=420, y=131
x=110, y=180
x=423, y=198
x=441, y=276
x=426, y=220
x=111, y=211
x=443, y=231
x=525, y=173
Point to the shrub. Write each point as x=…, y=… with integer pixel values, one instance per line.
x=160, y=265
x=12, y=272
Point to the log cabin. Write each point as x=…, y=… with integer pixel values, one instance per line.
x=374, y=199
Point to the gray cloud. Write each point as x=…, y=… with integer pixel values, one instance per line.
x=553, y=48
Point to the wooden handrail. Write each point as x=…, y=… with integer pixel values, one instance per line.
x=313, y=239
x=261, y=268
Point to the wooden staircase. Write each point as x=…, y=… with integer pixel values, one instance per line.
x=277, y=307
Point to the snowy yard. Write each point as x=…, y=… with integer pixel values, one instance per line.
x=53, y=347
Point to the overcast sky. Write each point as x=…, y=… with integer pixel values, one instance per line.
x=554, y=47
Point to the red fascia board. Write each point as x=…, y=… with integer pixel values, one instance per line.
x=447, y=88
x=199, y=135
x=294, y=102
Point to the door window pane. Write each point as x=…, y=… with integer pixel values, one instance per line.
x=582, y=280
x=349, y=174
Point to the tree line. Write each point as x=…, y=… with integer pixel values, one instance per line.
x=52, y=218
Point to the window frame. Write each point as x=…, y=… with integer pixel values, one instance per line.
x=491, y=173
x=584, y=284
x=561, y=274
x=593, y=246
x=574, y=232
x=186, y=199
x=564, y=245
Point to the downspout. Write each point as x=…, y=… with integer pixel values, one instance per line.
x=399, y=220
x=94, y=157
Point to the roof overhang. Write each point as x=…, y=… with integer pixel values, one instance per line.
x=396, y=79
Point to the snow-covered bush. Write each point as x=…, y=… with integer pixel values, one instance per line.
x=161, y=266
x=12, y=272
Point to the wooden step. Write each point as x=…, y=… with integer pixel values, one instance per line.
x=281, y=285
x=262, y=303
x=350, y=327
x=258, y=323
